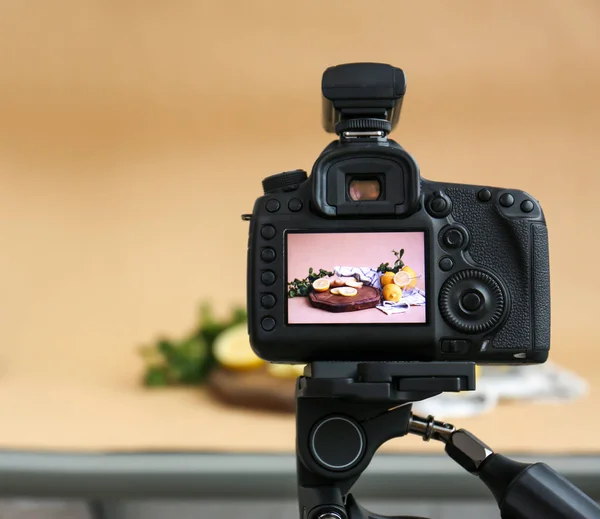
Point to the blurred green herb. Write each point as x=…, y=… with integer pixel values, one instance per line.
x=190, y=360
x=301, y=287
x=398, y=264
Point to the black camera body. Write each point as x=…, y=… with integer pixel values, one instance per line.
x=477, y=287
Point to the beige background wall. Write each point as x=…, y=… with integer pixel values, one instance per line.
x=134, y=134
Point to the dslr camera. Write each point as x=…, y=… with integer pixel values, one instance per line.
x=366, y=260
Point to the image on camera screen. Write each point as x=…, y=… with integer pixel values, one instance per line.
x=351, y=277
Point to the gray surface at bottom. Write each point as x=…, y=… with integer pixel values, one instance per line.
x=252, y=476
x=47, y=509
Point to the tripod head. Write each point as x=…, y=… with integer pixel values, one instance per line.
x=347, y=410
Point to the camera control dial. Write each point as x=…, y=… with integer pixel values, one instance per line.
x=286, y=181
x=472, y=301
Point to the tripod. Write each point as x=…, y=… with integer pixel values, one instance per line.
x=347, y=410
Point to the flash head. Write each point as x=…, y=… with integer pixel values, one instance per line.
x=362, y=97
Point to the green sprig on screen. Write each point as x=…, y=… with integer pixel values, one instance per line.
x=187, y=361
x=398, y=264
x=301, y=287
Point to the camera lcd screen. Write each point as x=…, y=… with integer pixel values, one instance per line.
x=356, y=278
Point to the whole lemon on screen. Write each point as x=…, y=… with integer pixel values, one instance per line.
x=387, y=278
x=392, y=292
x=413, y=275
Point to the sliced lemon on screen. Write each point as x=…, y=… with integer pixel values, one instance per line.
x=402, y=279
x=354, y=284
x=335, y=291
x=233, y=351
x=337, y=282
x=347, y=291
x=413, y=277
x=321, y=285
x=285, y=370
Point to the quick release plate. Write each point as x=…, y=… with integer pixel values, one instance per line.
x=385, y=381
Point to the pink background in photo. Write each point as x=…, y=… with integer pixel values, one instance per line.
x=355, y=250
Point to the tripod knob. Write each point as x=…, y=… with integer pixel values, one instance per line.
x=337, y=443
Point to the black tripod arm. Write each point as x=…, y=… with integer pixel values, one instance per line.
x=534, y=491
x=522, y=490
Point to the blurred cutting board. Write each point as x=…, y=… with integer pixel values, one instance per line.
x=254, y=389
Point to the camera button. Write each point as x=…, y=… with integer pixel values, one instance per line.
x=272, y=205
x=439, y=205
x=268, y=301
x=268, y=324
x=295, y=205
x=455, y=346
x=453, y=239
x=484, y=195
x=268, y=255
x=471, y=301
x=527, y=206
x=268, y=232
x=506, y=200
x=446, y=264
x=268, y=277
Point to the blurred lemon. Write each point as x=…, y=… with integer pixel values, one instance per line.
x=413, y=277
x=286, y=370
x=233, y=351
x=335, y=291
x=321, y=285
x=347, y=291
x=392, y=292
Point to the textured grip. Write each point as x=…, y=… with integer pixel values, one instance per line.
x=540, y=288
x=502, y=245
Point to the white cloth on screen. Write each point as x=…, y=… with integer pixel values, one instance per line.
x=412, y=297
x=367, y=275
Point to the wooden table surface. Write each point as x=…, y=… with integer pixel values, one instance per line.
x=40, y=414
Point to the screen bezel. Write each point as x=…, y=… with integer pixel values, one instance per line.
x=428, y=284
